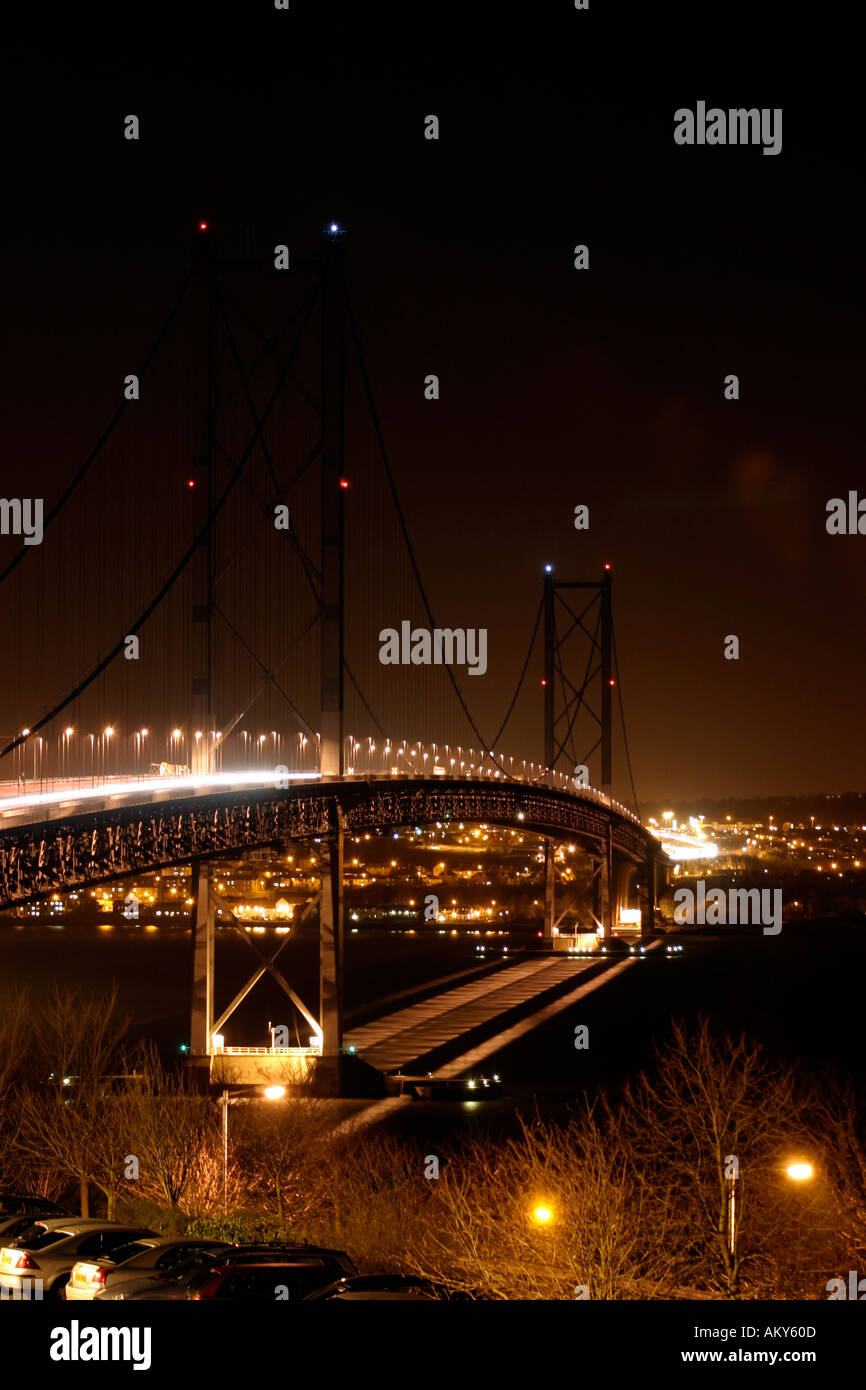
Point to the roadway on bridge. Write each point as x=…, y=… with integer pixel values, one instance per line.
x=394, y=1041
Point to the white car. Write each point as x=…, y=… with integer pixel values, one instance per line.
x=38, y=1264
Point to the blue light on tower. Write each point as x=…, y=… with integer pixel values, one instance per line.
x=548, y=569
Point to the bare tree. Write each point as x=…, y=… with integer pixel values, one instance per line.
x=65, y=1118
x=14, y=1032
x=553, y=1214
x=839, y=1120
x=717, y=1121
x=169, y=1128
x=286, y=1150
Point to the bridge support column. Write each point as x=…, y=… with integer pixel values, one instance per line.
x=331, y=952
x=648, y=896
x=549, y=889
x=201, y=1021
x=605, y=883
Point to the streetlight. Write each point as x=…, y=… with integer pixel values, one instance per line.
x=800, y=1171
x=269, y=1093
x=542, y=1215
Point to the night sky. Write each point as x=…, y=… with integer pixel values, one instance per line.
x=558, y=387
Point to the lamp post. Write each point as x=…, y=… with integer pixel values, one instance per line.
x=798, y=1171
x=269, y=1093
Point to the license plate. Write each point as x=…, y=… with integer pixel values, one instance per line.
x=6, y=1259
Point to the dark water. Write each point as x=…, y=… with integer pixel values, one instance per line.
x=800, y=994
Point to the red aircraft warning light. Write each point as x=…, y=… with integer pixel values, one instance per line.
x=611, y=681
x=344, y=482
x=606, y=565
x=202, y=226
x=190, y=482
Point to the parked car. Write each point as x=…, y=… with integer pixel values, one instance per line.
x=386, y=1287
x=22, y=1203
x=164, y=1285
x=132, y=1262
x=267, y=1273
x=43, y=1255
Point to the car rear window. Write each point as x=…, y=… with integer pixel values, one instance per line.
x=13, y=1229
x=194, y=1265
x=37, y=1238
x=126, y=1252
x=106, y=1242
x=172, y=1259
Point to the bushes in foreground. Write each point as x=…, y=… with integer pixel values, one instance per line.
x=625, y=1200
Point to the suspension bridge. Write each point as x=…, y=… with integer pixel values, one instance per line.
x=197, y=662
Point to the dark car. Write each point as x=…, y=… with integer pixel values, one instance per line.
x=269, y=1273
x=387, y=1287
x=22, y=1203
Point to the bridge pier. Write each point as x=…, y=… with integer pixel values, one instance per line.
x=201, y=1020
x=649, y=893
x=331, y=950
x=549, y=889
x=605, y=884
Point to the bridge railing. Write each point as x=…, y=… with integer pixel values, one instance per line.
x=526, y=773
x=267, y=1051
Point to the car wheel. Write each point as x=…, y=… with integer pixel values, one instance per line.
x=57, y=1292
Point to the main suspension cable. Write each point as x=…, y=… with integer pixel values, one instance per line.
x=106, y=433
x=193, y=547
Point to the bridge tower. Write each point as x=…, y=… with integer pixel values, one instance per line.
x=203, y=748
x=330, y=900
x=331, y=765
x=560, y=716
x=333, y=487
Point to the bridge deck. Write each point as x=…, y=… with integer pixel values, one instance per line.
x=395, y=1040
